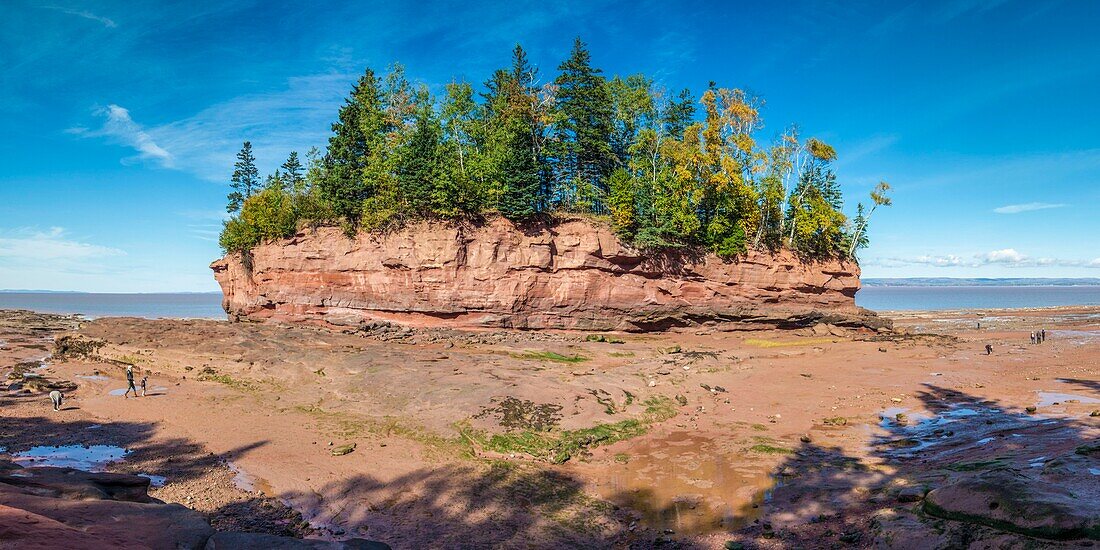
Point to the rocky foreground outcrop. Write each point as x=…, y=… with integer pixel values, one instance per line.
x=572, y=274
x=68, y=508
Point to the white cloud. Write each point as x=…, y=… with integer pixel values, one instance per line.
x=1026, y=207
x=109, y=23
x=28, y=246
x=1006, y=257
x=121, y=128
x=294, y=118
x=291, y=119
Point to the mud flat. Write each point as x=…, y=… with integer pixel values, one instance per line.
x=421, y=438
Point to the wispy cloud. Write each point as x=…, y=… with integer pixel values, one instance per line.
x=1009, y=171
x=1026, y=207
x=917, y=13
x=865, y=148
x=1005, y=257
x=121, y=128
x=26, y=246
x=206, y=224
x=106, y=22
x=294, y=118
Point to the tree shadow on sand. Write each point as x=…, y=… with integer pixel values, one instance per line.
x=824, y=497
x=494, y=505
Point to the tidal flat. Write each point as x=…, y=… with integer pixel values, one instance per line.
x=696, y=438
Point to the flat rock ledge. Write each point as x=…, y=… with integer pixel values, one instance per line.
x=45, y=507
x=1008, y=500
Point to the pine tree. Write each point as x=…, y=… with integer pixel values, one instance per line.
x=584, y=122
x=512, y=107
x=419, y=167
x=519, y=173
x=292, y=173
x=355, y=166
x=276, y=181
x=678, y=114
x=245, y=179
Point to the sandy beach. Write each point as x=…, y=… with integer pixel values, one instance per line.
x=439, y=438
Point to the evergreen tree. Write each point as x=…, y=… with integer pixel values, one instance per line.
x=276, y=181
x=519, y=173
x=292, y=172
x=512, y=106
x=523, y=73
x=814, y=214
x=584, y=122
x=585, y=144
x=419, y=167
x=245, y=179
x=355, y=164
x=678, y=114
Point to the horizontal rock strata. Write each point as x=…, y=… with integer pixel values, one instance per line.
x=569, y=275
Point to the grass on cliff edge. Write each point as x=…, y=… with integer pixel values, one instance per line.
x=559, y=447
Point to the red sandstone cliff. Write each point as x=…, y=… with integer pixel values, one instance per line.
x=572, y=275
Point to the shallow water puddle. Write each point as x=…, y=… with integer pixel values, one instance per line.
x=91, y=458
x=689, y=484
x=247, y=482
x=1075, y=336
x=1048, y=398
x=918, y=432
x=155, y=481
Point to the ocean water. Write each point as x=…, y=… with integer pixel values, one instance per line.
x=896, y=298
x=207, y=305
x=880, y=298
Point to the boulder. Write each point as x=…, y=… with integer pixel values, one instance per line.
x=1008, y=500
x=73, y=484
x=26, y=518
x=47, y=508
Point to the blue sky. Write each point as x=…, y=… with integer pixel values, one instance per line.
x=119, y=120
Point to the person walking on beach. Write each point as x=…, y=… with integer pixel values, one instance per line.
x=130, y=382
x=144, y=382
x=1044, y=335
x=1033, y=337
x=56, y=397
x=988, y=349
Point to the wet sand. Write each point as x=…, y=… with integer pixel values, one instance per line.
x=766, y=439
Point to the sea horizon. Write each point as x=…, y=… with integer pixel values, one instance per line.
x=877, y=294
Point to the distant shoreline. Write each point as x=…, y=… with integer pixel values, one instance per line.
x=978, y=282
